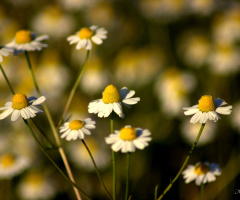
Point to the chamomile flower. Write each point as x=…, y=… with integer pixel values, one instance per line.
x=4, y=52
x=12, y=165
x=208, y=109
x=21, y=105
x=85, y=35
x=128, y=139
x=77, y=128
x=37, y=185
x=201, y=173
x=26, y=40
x=112, y=100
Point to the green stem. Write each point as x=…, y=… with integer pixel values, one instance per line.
x=155, y=192
x=113, y=161
x=201, y=191
x=94, y=163
x=127, y=175
x=54, y=131
x=5, y=76
x=184, y=164
x=46, y=154
x=74, y=88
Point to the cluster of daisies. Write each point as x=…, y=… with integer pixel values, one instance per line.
x=127, y=139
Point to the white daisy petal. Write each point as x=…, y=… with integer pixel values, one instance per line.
x=15, y=115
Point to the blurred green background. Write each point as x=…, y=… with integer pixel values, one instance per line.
x=171, y=52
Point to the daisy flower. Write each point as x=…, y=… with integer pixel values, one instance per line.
x=128, y=139
x=4, y=52
x=21, y=105
x=201, y=173
x=77, y=128
x=85, y=35
x=112, y=100
x=26, y=40
x=208, y=109
x=12, y=165
x=37, y=185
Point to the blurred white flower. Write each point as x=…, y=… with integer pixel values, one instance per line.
x=201, y=173
x=224, y=59
x=194, y=48
x=54, y=22
x=80, y=157
x=138, y=67
x=12, y=165
x=172, y=88
x=36, y=185
x=226, y=26
x=190, y=131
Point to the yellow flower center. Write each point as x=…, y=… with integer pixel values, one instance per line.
x=111, y=95
x=76, y=124
x=7, y=160
x=85, y=33
x=128, y=133
x=201, y=169
x=34, y=178
x=20, y=101
x=206, y=103
x=23, y=36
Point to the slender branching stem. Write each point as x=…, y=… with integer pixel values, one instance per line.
x=97, y=171
x=184, y=164
x=53, y=128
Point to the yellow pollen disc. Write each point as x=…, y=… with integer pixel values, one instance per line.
x=128, y=134
x=7, y=160
x=111, y=95
x=20, y=101
x=34, y=178
x=201, y=169
x=206, y=103
x=85, y=33
x=76, y=124
x=23, y=36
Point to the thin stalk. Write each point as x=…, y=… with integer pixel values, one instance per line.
x=201, y=191
x=184, y=164
x=97, y=171
x=5, y=76
x=113, y=161
x=127, y=175
x=46, y=154
x=155, y=192
x=55, y=134
x=74, y=88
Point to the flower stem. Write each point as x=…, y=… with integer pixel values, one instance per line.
x=127, y=175
x=184, y=164
x=113, y=161
x=46, y=154
x=5, y=76
x=55, y=134
x=94, y=163
x=74, y=88
x=201, y=191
